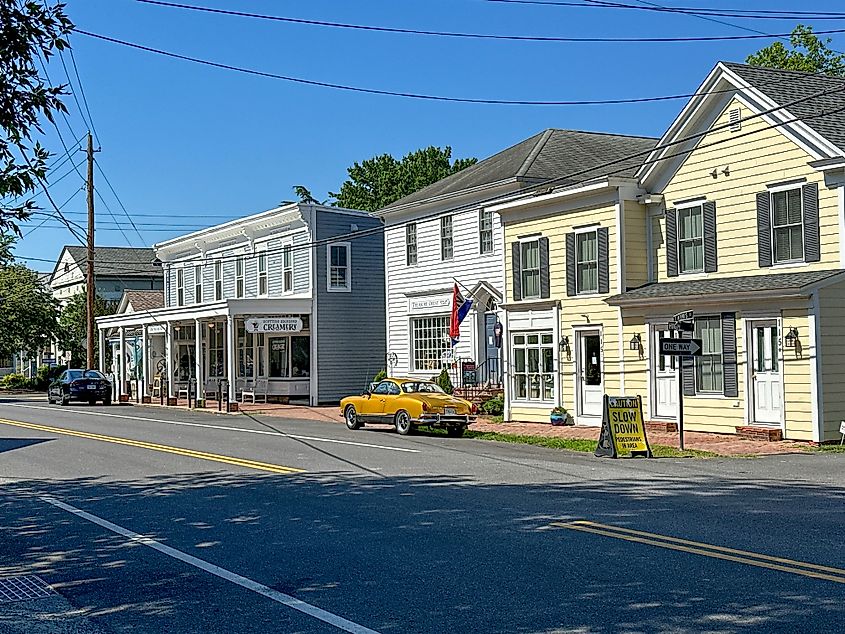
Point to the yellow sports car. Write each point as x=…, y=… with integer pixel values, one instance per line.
x=407, y=403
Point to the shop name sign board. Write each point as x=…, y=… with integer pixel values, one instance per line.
x=623, y=430
x=427, y=303
x=273, y=324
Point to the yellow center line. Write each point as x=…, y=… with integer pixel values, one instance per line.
x=202, y=455
x=707, y=550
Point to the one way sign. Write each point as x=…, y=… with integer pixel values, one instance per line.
x=681, y=347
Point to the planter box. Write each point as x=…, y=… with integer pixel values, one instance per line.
x=172, y=401
x=146, y=400
x=123, y=398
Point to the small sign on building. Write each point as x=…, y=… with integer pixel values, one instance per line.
x=622, y=428
x=273, y=324
x=468, y=373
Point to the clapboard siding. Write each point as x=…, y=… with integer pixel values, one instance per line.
x=350, y=326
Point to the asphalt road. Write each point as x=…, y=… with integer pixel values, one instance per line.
x=146, y=520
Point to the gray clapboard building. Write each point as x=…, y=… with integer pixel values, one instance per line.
x=287, y=303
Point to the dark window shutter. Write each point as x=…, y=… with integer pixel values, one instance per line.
x=688, y=369
x=812, y=248
x=764, y=229
x=603, y=235
x=731, y=384
x=570, y=265
x=545, y=284
x=671, y=243
x=711, y=262
x=516, y=269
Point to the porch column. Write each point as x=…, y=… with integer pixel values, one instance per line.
x=168, y=353
x=102, y=335
x=121, y=364
x=198, y=359
x=230, y=355
x=145, y=360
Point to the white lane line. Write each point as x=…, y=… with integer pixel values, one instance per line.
x=291, y=602
x=226, y=428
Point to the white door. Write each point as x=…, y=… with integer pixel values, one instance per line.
x=665, y=379
x=589, y=376
x=765, y=372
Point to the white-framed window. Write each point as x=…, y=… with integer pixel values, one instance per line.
x=216, y=350
x=787, y=226
x=587, y=261
x=429, y=341
x=218, y=280
x=411, y=243
x=262, y=273
x=239, y=277
x=529, y=268
x=533, y=366
x=709, y=367
x=198, y=284
x=447, y=245
x=485, y=231
x=180, y=286
x=691, y=239
x=339, y=269
x=287, y=268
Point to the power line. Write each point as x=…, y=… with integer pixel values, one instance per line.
x=82, y=92
x=119, y=201
x=483, y=36
x=50, y=216
x=374, y=91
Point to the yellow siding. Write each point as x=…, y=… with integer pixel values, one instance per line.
x=832, y=339
x=524, y=414
x=636, y=246
x=754, y=161
x=797, y=368
x=636, y=368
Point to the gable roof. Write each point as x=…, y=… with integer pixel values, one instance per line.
x=141, y=301
x=766, y=90
x=550, y=154
x=117, y=261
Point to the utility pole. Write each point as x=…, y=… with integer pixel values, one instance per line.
x=89, y=281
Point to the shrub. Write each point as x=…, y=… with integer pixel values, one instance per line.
x=14, y=381
x=494, y=406
x=445, y=381
x=380, y=376
x=45, y=375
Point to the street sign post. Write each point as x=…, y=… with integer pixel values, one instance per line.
x=683, y=322
x=680, y=347
x=687, y=315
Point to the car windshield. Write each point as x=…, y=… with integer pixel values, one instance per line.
x=410, y=387
x=72, y=375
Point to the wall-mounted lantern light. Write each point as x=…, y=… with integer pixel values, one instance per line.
x=635, y=343
x=791, y=338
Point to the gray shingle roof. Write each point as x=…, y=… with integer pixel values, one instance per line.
x=550, y=154
x=791, y=283
x=144, y=300
x=784, y=86
x=118, y=261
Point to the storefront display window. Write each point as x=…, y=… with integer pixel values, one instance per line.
x=533, y=367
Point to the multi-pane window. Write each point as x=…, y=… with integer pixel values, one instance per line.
x=430, y=340
x=787, y=226
x=691, y=239
x=485, y=231
x=216, y=350
x=533, y=367
x=529, y=268
x=447, y=246
x=180, y=286
x=587, y=262
x=411, y=243
x=287, y=268
x=339, y=275
x=709, y=367
x=262, y=274
x=239, y=277
x=198, y=284
x=218, y=280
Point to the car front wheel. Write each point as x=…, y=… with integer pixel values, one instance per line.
x=403, y=423
x=351, y=416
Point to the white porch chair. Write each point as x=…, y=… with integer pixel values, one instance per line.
x=253, y=390
x=182, y=390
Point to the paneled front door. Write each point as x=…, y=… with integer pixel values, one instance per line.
x=589, y=374
x=765, y=372
x=665, y=379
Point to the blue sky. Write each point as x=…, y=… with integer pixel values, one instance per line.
x=186, y=146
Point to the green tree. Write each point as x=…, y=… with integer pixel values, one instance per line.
x=29, y=30
x=28, y=312
x=73, y=329
x=809, y=54
x=304, y=195
x=383, y=179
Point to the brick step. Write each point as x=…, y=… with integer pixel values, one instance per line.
x=766, y=434
x=478, y=395
x=661, y=425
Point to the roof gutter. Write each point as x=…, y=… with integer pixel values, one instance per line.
x=571, y=191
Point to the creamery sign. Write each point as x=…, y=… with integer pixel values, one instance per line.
x=273, y=324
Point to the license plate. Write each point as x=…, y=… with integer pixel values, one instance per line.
x=92, y=386
x=450, y=411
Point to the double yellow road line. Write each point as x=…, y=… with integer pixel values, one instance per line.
x=179, y=451
x=816, y=571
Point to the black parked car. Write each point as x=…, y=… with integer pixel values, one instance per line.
x=80, y=385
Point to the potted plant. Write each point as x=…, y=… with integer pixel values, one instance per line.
x=559, y=415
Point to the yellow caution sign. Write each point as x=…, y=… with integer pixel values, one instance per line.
x=623, y=430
